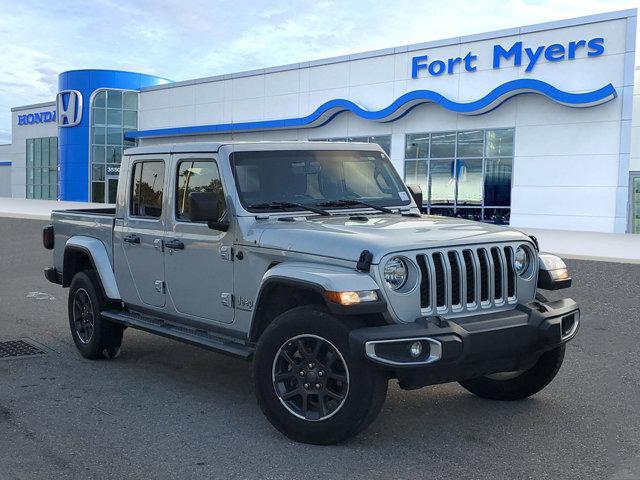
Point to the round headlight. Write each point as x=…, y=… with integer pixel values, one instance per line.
x=521, y=260
x=395, y=273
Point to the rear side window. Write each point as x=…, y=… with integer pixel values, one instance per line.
x=146, y=190
x=197, y=176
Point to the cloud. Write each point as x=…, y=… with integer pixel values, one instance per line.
x=199, y=38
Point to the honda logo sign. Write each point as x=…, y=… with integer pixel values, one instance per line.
x=69, y=106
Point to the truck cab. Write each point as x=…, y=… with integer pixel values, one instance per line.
x=313, y=261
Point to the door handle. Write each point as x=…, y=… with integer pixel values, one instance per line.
x=132, y=239
x=174, y=245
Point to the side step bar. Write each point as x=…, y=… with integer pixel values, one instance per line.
x=182, y=333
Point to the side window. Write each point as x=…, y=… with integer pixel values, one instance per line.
x=197, y=176
x=146, y=190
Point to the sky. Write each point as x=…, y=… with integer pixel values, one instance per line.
x=186, y=39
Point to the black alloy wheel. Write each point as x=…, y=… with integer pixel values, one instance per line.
x=310, y=377
x=83, y=316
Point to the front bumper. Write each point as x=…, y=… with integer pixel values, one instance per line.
x=472, y=346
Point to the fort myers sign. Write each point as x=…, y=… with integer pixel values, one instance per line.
x=515, y=55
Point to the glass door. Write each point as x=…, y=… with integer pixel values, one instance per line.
x=635, y=203
x=112, y=189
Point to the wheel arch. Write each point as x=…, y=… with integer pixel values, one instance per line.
x=82, y=253
x=290, y=285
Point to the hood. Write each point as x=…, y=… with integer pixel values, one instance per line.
x=345, y=237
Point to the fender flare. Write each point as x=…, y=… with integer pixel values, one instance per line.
x=320, y=279
x=97, y=253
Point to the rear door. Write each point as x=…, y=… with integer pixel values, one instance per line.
x=199, y=272
x=138, y=235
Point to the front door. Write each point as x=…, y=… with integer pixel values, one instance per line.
x=199, y=269
x=635, y=203
x=138, y=236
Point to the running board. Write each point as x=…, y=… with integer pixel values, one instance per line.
x=182, y=333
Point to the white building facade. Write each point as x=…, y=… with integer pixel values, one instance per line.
x=533, y=126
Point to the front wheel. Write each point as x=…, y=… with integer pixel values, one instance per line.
x=308, y=384
x=94, y=336
x=521, y=384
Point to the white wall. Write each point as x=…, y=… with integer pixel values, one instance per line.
x=5, y=171
x=17, y=151
x=571, y=164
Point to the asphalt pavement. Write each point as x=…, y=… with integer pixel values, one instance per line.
x=169, y=410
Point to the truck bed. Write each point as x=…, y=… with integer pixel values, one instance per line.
x=90, y=222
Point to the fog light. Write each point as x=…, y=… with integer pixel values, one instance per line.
x=415, y=349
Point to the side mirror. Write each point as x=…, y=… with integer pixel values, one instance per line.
x=416, y=193
x=205, y=207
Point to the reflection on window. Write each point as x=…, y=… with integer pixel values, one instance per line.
x=416, y=172
x=497, y=182
x=383, y=140
x=468, y=172
x=313, y=177
x=197, y=176
x=443, y=187
x=113, y=113
x=146, y=191
x=470, y=143
x=469, y=181
x=443, y=145
x=417, y=146
x=357, y=179
x=42, y=168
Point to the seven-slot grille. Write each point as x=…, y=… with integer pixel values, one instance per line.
x=466, y=279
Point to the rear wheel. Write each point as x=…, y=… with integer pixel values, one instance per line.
x=521, y=384
x=308, y=384
x=94, y=336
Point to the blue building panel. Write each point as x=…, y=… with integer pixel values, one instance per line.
x=74, y=141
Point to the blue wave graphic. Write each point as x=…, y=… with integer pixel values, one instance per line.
x=400, y=107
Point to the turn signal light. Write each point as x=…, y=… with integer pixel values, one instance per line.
x=559, y=274
x=352, y=298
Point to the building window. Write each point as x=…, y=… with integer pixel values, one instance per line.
x=464, y=174
x=635, y=203
x=113, y=113
x=383, y=140
x=42, y=168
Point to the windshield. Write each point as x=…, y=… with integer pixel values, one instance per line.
x=312, y=177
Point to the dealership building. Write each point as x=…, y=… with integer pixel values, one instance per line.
x=534, y=126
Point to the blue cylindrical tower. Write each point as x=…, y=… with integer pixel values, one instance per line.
x=76, y=89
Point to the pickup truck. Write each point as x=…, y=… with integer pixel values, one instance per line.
x=314, y=261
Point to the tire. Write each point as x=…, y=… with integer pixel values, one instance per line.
x=523, y=384
x=95, y=337
x=344, y=394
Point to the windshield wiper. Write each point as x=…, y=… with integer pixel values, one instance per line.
x=281, y=205
x=353, y=203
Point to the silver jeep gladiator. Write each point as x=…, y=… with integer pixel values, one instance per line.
x=314, y=261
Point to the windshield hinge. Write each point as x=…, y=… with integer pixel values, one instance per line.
x=364, y=262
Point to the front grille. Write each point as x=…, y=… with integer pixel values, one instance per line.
x=463, y=279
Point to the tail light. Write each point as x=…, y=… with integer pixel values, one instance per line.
x=47, y=237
